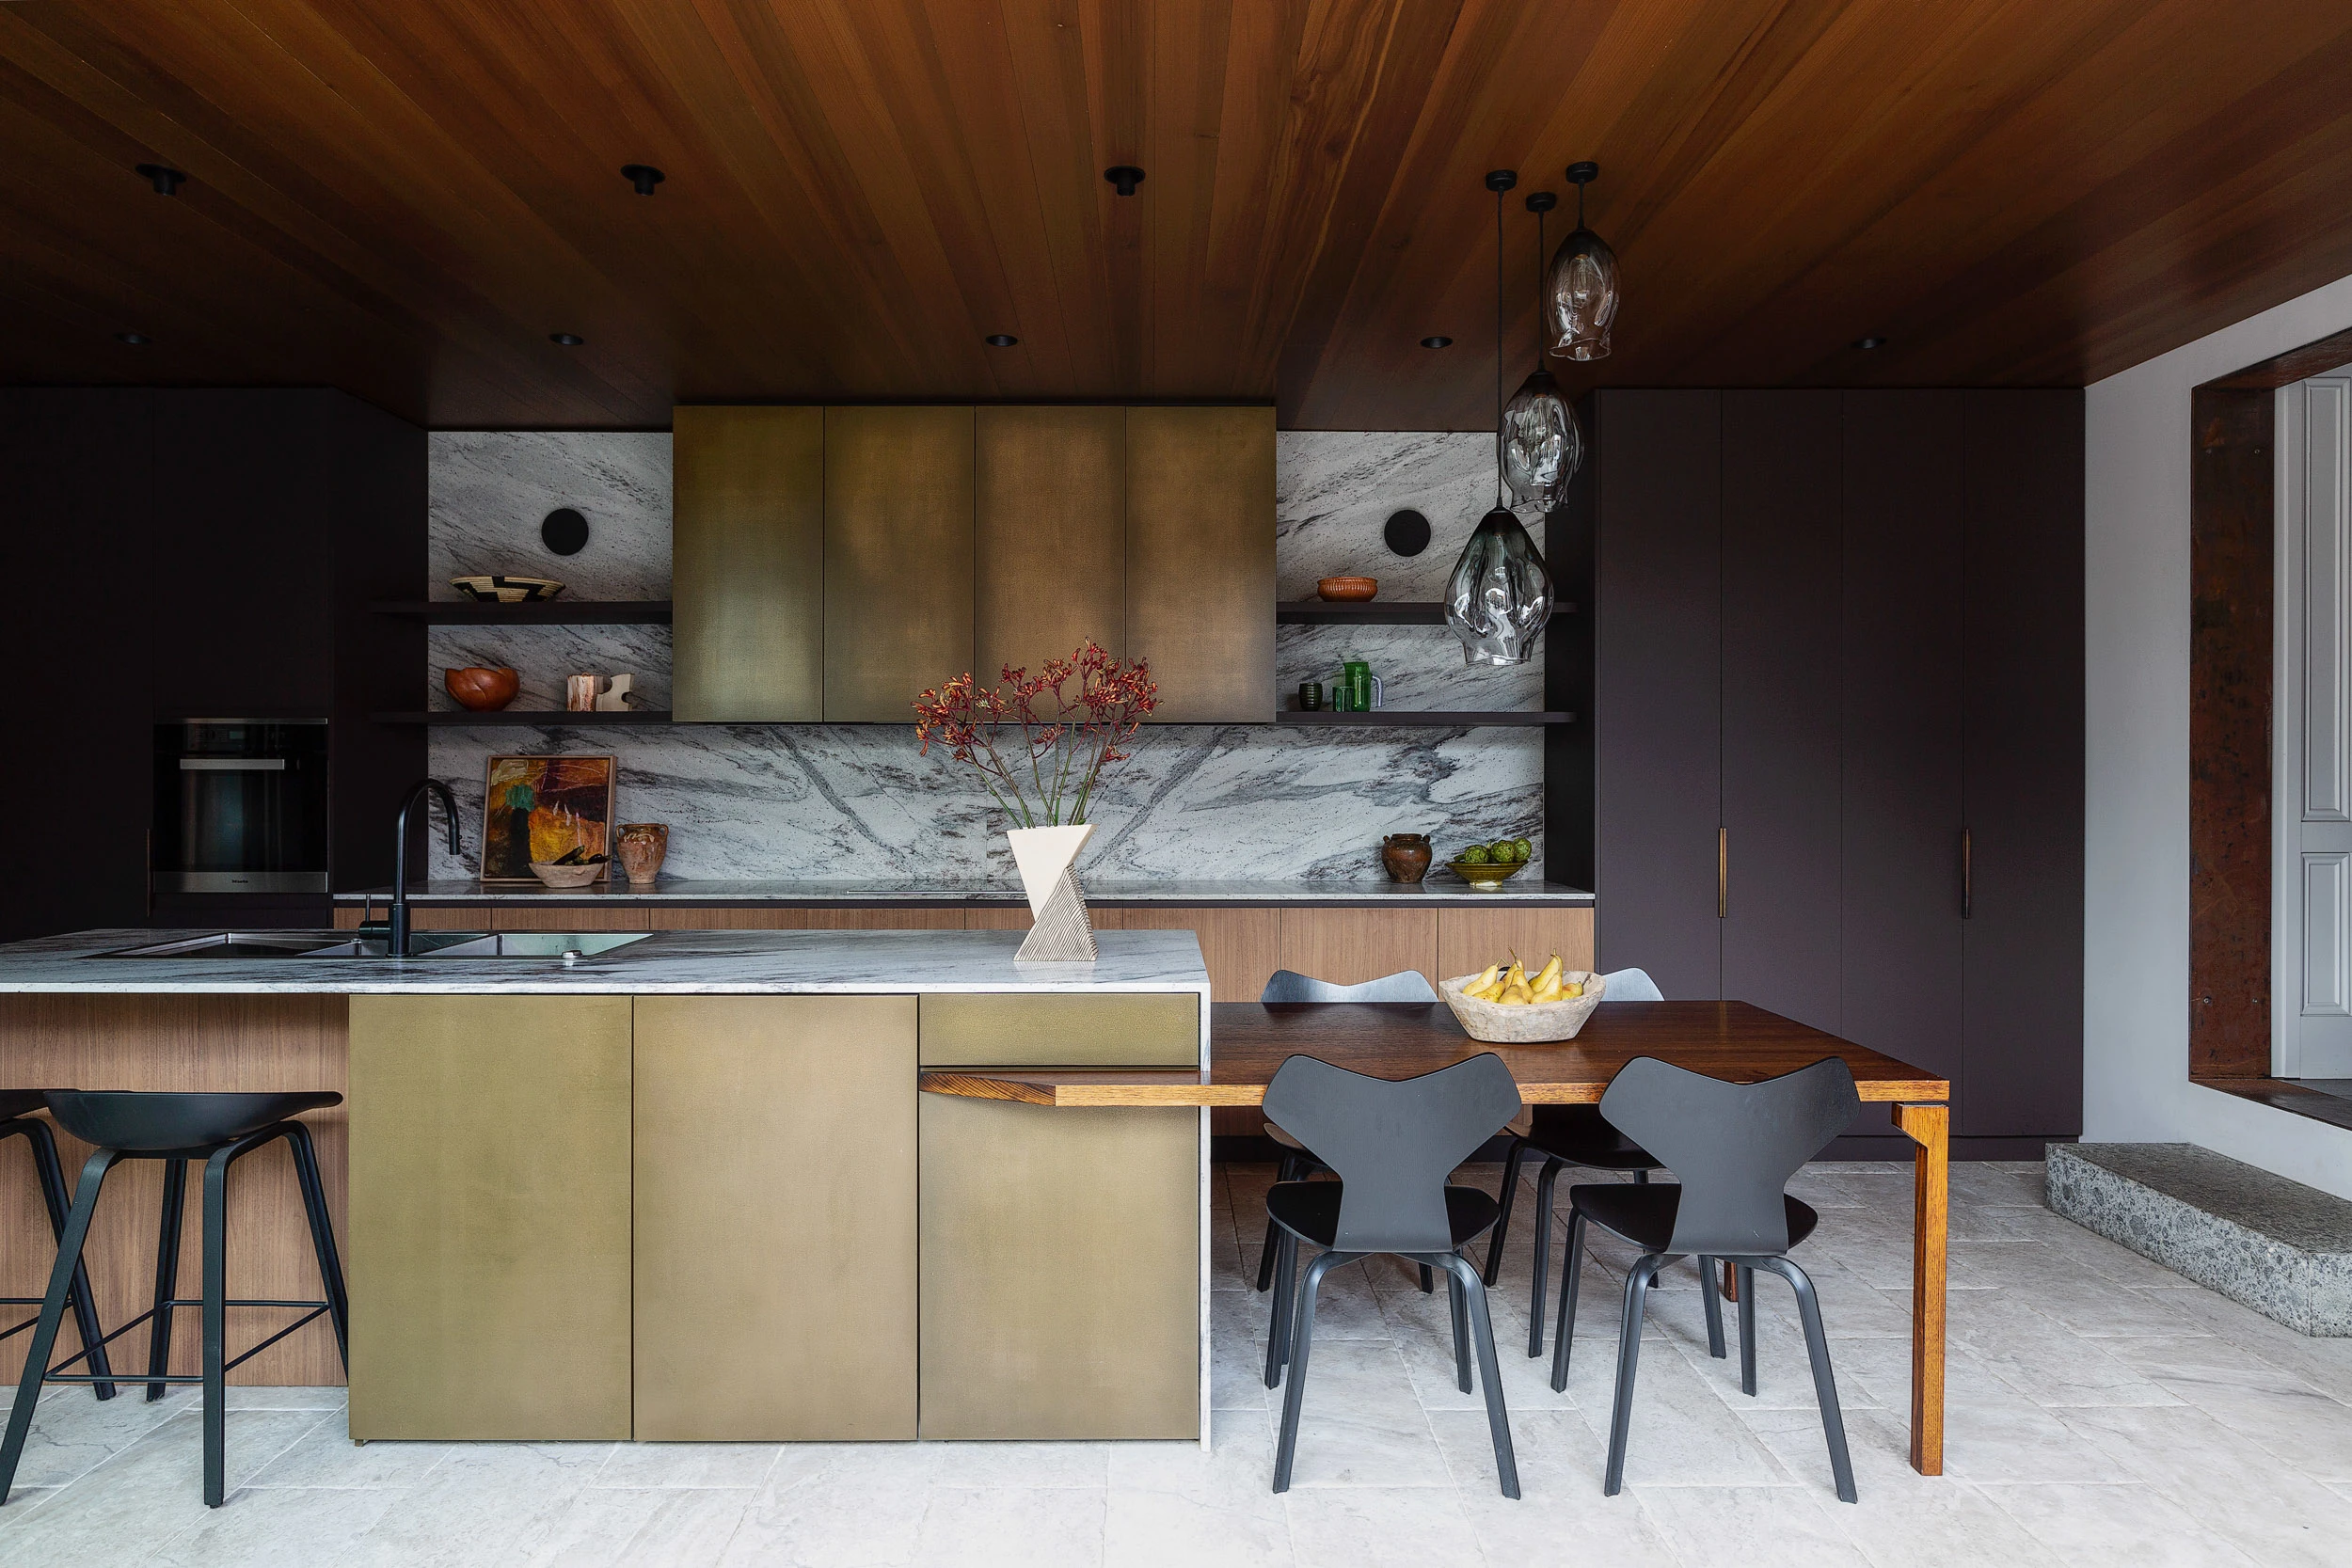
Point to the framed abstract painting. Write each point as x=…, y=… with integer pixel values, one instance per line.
x=540, y=808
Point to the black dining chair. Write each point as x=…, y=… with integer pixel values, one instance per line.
x=1564, y=1136
x=1734, y=1147
x=1392, y=1145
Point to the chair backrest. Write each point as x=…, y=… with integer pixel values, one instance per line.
x=1732, y=1146
x=1630, y=985
x=1406, y=985
x=1393, y=1142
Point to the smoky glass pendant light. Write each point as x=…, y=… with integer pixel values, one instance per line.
x=1580, y=292
x=1541, y=442
x=1499, y=596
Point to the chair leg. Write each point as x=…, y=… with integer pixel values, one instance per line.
x=1571, y=1273
x=1710, y=1307
x=217, y=1326
x=1637, y=1285
x=1461, y=1330
x=1543, y=1184
x=1278, y=1325
x=1490, y=1373
x=1428, y=1281
x=1641, y=1177
x=1817, y=1349
x=1287, y=1171
x=305, y=1159
x=51, y=1314
x=56, y=1200
x=166, y=1274
x=1304, y=1329
x=1747, y=1330
x=1510, y=1196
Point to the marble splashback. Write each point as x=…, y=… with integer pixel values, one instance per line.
x=859, y=803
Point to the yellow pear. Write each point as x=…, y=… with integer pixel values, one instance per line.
x=1550, y=975
x=1485, y=978
x=1574, y=988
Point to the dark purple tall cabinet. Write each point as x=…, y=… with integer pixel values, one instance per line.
x=1836, y=668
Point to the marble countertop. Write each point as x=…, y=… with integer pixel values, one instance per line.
x=1440, y=888
x=665, y=963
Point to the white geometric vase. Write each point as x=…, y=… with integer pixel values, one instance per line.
x=1059, y=932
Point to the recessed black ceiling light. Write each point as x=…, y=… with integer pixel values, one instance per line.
x=1437, y=342
x=1870, y=343
x=1124, y=178
x=644, y=176
x=1000, y=339
x=569, y=339
x=165, y=178
x=134, y=338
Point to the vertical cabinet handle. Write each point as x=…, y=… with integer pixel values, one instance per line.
x=1967, y=875
x=1722, y=873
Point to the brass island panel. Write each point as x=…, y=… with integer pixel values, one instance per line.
x=1061, y=1272
x=775, y=1218
x=1110, y=1029
x=748, y=563
x=489, y=1258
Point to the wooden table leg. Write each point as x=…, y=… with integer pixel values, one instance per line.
x=1929, y=1127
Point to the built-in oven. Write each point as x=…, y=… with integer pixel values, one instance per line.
x=239, y=806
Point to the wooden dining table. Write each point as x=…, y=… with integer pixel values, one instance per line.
x=1731, y=1041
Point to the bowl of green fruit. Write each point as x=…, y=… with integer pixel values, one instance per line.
x=1489, y=865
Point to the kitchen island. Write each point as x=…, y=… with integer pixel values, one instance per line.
x=685, y=1187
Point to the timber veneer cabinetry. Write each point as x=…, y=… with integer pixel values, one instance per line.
x=831, y=562
x=1837, y=689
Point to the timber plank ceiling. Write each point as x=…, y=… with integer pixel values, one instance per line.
x=404, y=200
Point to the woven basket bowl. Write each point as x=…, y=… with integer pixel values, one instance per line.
x=1534, y=1024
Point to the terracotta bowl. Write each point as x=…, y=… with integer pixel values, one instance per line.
x=568, y=875
x=1347, y=590
x=483, y=691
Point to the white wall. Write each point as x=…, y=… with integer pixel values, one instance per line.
x=2135, y=1000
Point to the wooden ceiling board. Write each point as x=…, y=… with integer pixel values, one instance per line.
x=405, y=200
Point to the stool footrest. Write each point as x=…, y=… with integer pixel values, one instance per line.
x=56, y=1374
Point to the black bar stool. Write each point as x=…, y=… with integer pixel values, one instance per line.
x=219, y=1129
x=17, y=1120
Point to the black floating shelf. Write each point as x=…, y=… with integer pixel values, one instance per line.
x=543, y=718
x=543, y=612
x=1391, y=718
x=1376, y=613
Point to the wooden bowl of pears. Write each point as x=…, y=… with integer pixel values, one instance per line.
x=1504, y=1005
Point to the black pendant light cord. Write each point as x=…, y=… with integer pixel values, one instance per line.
x=1539, y=281
x=1499, y=435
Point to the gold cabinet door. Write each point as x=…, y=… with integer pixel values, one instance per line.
x=1201, y=559
x=1050, y=533
x=1061, y=1271
x=748, y=563
x=775, y=1218
x=897, y=559
x=489, y=1258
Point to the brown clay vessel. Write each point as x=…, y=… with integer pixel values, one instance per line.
x=483, y=691
x=642, y=847
x=1406, y=856
x=1347, y=590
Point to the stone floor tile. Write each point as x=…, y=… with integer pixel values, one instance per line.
x=2236, y=1489
x=1679, y=1433
x=73, y=1431
x=1553, y=1523
x=2042, y=1358
x=1015, y=1527
x=289, y=1527
x=690, y=1527
x=1359, y=1423
x=326, y=1457
x=828, y=1521
x=244, y=1397
x=1755, y=1527
x=718, y=1464
x=2119, y=1525
x=1394, y=1526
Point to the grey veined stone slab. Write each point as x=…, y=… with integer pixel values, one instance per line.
x=2281, y=1247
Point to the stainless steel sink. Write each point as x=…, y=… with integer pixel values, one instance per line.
x=557, y=945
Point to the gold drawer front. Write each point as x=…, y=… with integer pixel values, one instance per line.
x=1150, y=1029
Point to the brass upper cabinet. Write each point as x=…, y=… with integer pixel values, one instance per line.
x=748, y=563
x=1201, y=559
x=898, y=486
x=1050, y=533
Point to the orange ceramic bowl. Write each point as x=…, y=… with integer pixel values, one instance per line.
x=1348, y=590
x=483, y=691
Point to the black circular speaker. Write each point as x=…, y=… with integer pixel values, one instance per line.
x=564, y=531
x=1408, y=532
